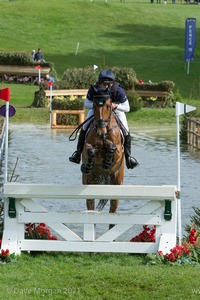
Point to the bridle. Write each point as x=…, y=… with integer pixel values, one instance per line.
x=100, y=100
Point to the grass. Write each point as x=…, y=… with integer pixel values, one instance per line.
x=100, y=276
x=147, y=37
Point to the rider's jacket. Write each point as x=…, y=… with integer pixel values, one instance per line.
x=117, y=94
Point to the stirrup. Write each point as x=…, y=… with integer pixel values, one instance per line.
x=75, y=158
x=131, y=162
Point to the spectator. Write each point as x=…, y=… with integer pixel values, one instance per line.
x=50, y=79
x=39, y=56
x=33, y=54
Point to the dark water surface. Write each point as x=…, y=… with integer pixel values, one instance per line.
x=43, y=158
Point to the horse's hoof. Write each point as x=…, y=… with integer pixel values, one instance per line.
x=85, y=169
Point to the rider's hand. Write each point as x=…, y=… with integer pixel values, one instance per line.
x=114, y=106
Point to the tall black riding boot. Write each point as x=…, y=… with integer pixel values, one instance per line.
x=131, y=162
x=76, y=156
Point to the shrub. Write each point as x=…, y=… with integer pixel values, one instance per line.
x=67, y=104
x=125, y=76
x=161, y=86
x=40, y=99
x=134, y=101
x=20, y=59
x=79, y=78
x=82, y=78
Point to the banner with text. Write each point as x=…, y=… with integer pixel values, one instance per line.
x=190, y=38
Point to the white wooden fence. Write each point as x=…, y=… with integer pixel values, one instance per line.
x=159, y=208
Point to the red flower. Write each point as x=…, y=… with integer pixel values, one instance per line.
x=147, y=235
x=193, y=231
x=5, y=253
x=192, y=239
x=38, y=232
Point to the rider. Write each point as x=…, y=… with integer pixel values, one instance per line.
x=120, y=104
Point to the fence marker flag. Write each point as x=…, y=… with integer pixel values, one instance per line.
x=39, y=72
x=190, y=40
x=181, y=109
x=5, y=95
x=37, y=67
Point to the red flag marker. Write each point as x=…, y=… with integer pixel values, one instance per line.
x=37, y=67
x=5, y=94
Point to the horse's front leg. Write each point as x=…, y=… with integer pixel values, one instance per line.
x=87, y=167
x=109, y=156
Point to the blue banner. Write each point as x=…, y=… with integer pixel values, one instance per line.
x=190, y=38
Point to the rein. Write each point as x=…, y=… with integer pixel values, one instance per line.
x=75, y=132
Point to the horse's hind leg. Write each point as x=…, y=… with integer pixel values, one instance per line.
x=113, y=208
x=90, y=204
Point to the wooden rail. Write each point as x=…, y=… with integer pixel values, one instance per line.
x=23, y=70
x=160, y=94
x=80, y=113
x=193, y=132
x=66, y=93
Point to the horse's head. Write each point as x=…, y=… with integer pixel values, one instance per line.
x=102, y=109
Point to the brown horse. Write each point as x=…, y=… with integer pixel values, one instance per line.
x=103, y=156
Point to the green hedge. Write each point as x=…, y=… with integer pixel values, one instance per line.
x=82, y=78
x=161, y=86
x=67, y=104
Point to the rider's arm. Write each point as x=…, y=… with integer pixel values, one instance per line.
x=88, y=104
x=125, y=107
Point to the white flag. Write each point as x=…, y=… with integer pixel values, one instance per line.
x=95, y=67
x=182, y=108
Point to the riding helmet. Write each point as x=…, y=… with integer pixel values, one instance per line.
x=106, y=76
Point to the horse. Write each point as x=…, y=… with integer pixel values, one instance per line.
x=103, y=155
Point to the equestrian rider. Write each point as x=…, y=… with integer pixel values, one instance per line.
x=120, y=105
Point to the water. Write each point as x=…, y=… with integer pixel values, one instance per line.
x=43, y=158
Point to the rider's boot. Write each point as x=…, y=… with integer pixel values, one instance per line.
x=76, y=156
x=131, y=162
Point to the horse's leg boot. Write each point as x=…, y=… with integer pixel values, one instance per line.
x=131, y=162
x=76, y=156
x=108, y=161
x=86, y=168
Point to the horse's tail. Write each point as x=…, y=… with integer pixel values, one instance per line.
x=101, y=204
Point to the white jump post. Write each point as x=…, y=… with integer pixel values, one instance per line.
x=159, y=207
